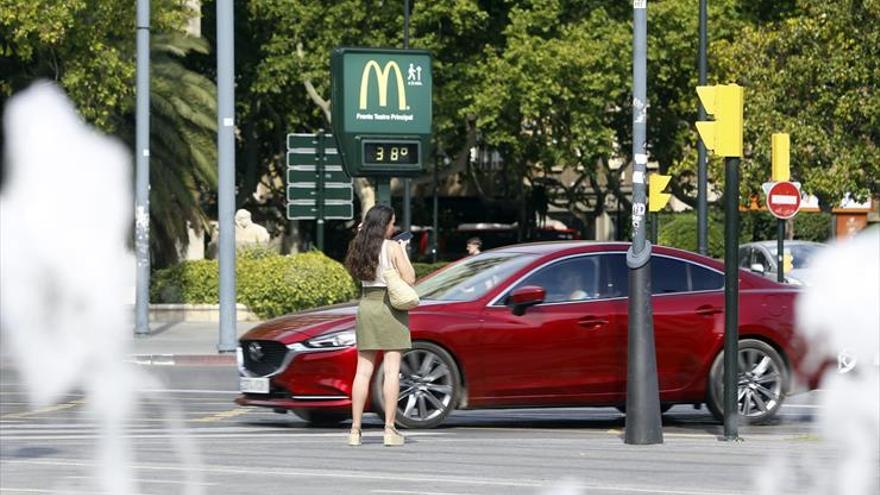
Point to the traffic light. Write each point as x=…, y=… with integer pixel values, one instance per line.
x=657, y=199
x=780, y=145
x=724, y=135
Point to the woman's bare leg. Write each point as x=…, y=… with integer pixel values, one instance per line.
x=361, y=385
x=391, y=363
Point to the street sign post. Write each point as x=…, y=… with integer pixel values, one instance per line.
x=780, y=143
x=317, y=186
x=784, y=200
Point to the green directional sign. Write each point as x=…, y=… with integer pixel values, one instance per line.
x=305, y=210
x=309, y=173
x=382, y=110
x=317, y=186
x=306, y=190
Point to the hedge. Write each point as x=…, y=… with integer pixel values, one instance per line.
x=269, y=284
x=423, y=269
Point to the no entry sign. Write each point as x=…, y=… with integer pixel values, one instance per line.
x=783, y=200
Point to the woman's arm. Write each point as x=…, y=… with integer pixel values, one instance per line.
x=401, y=261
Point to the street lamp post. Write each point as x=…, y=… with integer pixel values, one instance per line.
x=643, y=423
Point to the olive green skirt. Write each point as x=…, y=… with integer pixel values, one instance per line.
x=380, y=327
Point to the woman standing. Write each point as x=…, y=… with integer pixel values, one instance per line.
x=380, y=327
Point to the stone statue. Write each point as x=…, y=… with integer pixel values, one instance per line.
x=247, y=232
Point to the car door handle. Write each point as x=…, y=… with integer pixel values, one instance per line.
x=591, y=322
x=709, y=310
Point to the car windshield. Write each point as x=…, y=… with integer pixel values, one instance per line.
x=472, y=277
x=800, y=253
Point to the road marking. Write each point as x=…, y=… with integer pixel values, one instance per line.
x=54, y=491
x=44, y=410
x=238, y=411
x=189, y=391
x=175, y=482
x=374, y=476
x=407, y=492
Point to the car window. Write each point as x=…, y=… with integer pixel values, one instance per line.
x=800, y=253
x=668, y=275
x=744, y=257
x=472, y=277
x=761, y=259
x=704, y=278
x=575, y=279
x=614, y=281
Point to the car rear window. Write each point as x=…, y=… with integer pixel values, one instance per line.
x=472, y=277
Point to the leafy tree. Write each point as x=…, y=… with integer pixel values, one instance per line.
x=814, y=75
x=88, y=47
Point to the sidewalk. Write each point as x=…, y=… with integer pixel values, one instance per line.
x=184, y=343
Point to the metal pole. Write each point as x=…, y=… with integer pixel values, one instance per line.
x=655, y=227
x=435, y=226
x=226, y=165
x=702, y=168
x=780, y=246
x=407, y=183
x=383, y=190
x=643, y=423
x=319, y=199
x=142, y=160
x=731, y=295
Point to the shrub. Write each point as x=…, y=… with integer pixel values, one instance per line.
x=424, y=269
x=680, y=231
x=269, y=284
x=812, y=226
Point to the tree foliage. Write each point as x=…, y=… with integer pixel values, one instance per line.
x=814, y=75
x=88, y=47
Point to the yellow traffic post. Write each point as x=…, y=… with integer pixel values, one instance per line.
x=724, y=136
x=780, y=144
x=657, y=199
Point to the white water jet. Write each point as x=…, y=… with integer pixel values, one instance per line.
x=840, y=311
x=65, y=214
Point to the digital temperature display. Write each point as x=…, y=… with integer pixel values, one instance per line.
x=391, y=153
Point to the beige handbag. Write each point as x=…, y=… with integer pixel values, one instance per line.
x=400, y=293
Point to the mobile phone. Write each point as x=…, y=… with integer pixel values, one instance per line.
x=403, y=236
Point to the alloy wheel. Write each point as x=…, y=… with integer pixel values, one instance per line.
x=761, y=382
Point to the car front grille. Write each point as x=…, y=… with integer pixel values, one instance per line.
x=263, y=357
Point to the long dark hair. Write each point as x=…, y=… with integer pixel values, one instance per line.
x=363, y=251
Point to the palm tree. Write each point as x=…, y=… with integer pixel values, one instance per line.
x=183, y=157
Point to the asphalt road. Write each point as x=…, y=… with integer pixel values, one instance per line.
x=249, y=450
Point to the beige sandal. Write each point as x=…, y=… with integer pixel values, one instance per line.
x=393, y=438
x=354, y=437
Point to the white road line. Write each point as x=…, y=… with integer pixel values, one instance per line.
x=378, y=476
x=175, y=482
x=189, y=391
x=54, y=491
x=408, y=492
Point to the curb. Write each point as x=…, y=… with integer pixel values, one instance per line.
x=183, y=359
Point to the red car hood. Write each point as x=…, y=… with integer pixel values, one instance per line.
x=304, y=325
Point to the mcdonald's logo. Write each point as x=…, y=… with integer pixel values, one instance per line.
x=382, y=83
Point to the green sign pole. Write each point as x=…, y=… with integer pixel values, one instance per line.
x=319, y=168
x=383, y=190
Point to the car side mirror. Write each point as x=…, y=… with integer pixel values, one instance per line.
x=523, y=297
x=757, y=267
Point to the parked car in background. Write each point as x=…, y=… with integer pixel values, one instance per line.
x=761, y=258
x=536, y=325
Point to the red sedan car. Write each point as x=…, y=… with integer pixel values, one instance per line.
x=536, y=325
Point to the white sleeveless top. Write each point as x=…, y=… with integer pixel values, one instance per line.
x=384, y=264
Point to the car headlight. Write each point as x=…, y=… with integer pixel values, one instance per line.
x=345, y=338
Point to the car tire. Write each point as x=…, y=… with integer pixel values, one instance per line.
x=321, y=418
x=430, y=387
x=762, y=381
